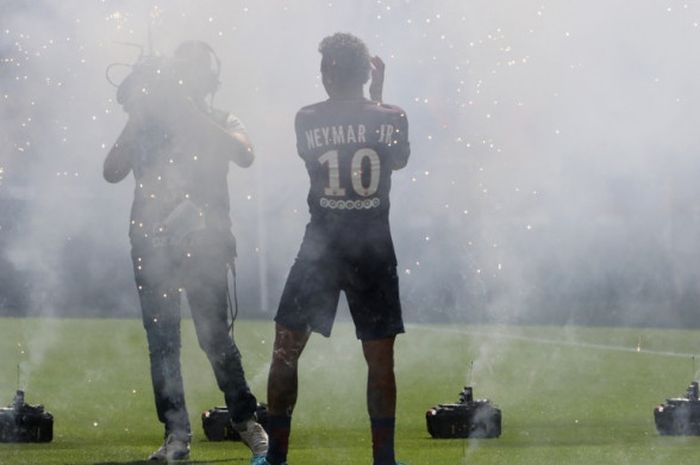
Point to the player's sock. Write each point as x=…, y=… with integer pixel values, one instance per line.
x=383, y=440
x=278, y=432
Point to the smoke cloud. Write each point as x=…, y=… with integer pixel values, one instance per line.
x=553, y=151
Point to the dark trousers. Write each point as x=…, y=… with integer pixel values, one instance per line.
x=162, y=273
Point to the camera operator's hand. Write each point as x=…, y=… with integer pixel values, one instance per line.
x=144, y=105
x=377, y=85
x=138, y=109
x=183, y=115
x=166, y=105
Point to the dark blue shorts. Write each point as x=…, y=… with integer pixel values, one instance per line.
x=323, y=268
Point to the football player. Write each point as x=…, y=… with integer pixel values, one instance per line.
x=350, y=145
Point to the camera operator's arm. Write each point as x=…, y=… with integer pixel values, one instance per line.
x=117, y=165
x=242, y=152
x=232, y=141
x=247, y=153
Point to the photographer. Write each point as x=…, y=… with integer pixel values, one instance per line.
x=179, y=149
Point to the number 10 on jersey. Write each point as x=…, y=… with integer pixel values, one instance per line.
x=335, y=189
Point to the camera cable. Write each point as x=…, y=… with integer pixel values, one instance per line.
x=232, y=297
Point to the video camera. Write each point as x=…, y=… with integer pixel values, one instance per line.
x=171, y=77
x=20, y=422
x=679, y=416
x=151, y=73
x=217, y=424
x=468, y=418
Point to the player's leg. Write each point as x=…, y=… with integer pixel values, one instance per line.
x=283, y=379
x=160, y=307
x=282, y=388
x=372, y=290
x=206, y=288
x=381, y=397
x=308, y=303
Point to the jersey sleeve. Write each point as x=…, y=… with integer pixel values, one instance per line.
x=302, y=121
x=299, y=128
x=400, y=148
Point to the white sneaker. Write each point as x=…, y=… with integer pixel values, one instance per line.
x=253, y=435
x=174, y=448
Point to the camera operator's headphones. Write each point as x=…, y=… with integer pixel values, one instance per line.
x=212, y=82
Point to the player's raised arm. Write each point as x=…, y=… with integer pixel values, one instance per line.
x=376, y=85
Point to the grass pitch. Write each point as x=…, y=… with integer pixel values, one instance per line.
x=568, y=395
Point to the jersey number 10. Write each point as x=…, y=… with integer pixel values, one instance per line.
x=334, y=188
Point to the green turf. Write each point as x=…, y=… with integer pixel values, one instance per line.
x=568, y=395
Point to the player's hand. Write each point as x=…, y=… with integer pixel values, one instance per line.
x=376, y=86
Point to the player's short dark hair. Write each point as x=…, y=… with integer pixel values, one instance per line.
x=345, y=58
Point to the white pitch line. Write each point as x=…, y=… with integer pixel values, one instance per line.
x=556, y=342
